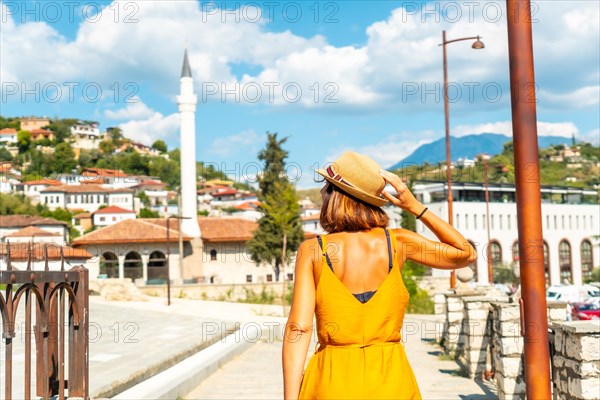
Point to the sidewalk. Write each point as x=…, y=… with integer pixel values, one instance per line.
x=256, y=374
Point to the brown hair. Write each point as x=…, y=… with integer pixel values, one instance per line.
x=343, y=212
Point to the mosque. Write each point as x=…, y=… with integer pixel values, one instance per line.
x=204, y=250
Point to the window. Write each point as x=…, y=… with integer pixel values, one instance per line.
x=457, y=221
x=547, y=222
x=584, y=222
x=555, y=223
x=515, y=250
x=466, y=221
x=290, y=277
x=496, y=253
x=547, y=263
x=508, y=222
x=248, y=278
x=475, y=221
x=473, y=265
x=315, y=226
x=562, y=221
x=587, y=263
x=492, y=221
x=483, y=220
x=500, y=221
x=564, y=259
x=269, y=277
x=114, y=218
x=213, y=255
x=570, y=224
x=102, y=219
x=577, y=222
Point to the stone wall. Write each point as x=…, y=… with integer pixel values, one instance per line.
x=473, y=355
x=576, y=360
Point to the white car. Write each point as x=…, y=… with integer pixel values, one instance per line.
x=572, y=293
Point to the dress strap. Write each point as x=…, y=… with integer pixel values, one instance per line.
x=323, y=244
x=389, y=244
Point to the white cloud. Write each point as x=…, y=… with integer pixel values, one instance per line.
x=246, y=141
x=136, y=109
x=152, y=128
x=402, y=49
x=565, y=129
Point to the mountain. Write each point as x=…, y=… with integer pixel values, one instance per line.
x=468, y=147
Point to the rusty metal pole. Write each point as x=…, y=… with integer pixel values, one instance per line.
x=168, y=261
x=534, y=323
x=487, y=224
x=448, y=159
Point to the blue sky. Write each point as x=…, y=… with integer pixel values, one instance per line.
x=331, y=76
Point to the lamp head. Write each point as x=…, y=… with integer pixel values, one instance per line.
x=478, y=44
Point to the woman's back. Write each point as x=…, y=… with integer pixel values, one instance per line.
x=360, y=354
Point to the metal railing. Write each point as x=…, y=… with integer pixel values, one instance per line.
x=61, y=301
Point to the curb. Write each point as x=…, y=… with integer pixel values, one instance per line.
x=184, y=377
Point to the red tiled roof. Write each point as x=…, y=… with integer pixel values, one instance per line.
x=224, y=192
x=141, y=230
x=8, y=131
x=44, y=132
x=117, y=173
x=82, y=215
x=114, y=210
x=226, y=229
x=19, y=220
x=31, y=231
x=20, y=251
x=248, y=205
x=45, y=181
x=84, y=189
x=312, y=217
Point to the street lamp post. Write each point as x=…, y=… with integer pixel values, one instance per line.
x=486, y=158
x=478, y=44
x=169, y=218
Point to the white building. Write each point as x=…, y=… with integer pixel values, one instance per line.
x=12, y=224
x=111, y=215
x=8, y=135
x=570, y=218
x=32, y=189
x=85, y=197
x=89, y=131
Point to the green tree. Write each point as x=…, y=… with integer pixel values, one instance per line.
x=278, y=198
x=160, y=145
x=147, y=213
x=10, y=123
x=23, y=141
x=61, y=128
x=116, y=136
x=5, y=154
x=64, y=158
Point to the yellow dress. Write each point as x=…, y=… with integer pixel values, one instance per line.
x=360, y=353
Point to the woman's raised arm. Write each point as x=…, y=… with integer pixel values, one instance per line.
x=451, y=252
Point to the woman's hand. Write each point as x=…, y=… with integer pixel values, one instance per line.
x=405, y=199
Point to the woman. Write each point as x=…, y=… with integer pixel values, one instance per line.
x=351, y=279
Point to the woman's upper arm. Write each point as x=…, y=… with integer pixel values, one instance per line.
x=432, y=253
x=303, y=300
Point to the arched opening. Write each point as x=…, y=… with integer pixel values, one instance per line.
x=157, y=267
x=515, y=251
x=213, y=255
x=564, y=259
x=587, y=261
x=473, y=265
x=133, y=265
x=496, y=254
x=109, y=265
x=547, y=263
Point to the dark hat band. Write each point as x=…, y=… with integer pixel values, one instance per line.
x=337, y=177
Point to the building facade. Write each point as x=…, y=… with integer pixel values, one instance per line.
x=570, y=219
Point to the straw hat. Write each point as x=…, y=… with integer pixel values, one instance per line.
x=357, y=175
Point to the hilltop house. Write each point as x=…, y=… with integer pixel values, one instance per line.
x=85, y=197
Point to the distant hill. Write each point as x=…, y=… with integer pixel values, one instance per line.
x=468, y=147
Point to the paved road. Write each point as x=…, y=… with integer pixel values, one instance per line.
x=256, y=373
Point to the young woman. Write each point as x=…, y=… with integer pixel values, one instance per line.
x=351, y=279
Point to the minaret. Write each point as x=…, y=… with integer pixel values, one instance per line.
x=187, y=108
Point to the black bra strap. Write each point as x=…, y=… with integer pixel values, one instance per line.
x=324, y=252
x=389, y=243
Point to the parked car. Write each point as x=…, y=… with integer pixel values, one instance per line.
x=585, y=311
x=572, y=293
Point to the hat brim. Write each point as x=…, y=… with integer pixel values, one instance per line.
x=356, y=192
